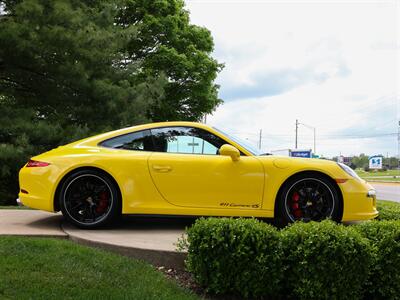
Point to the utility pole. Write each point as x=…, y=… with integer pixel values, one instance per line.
x=297, y=127
x=310, y=127
x=398, y=147
x=315, y=147
x=259, y=142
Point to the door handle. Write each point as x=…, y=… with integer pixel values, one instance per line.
x=161, y=168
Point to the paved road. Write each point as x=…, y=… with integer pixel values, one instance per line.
x=387, y=191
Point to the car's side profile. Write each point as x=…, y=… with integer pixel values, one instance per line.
x=185, y=168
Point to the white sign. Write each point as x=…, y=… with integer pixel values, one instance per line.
x=375, y=162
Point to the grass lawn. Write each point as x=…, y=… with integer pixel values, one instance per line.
x=41, y=268
x=390, y=179
x=361, y=172
x=389, y=175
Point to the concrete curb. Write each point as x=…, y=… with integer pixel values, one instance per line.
x=169, y=259
x=131, y=243
x=62, y=237
x=153, y=242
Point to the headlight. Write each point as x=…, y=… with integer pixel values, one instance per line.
x=371, y=194
x=349, y=171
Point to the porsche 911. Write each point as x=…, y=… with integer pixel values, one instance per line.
x=188, y=169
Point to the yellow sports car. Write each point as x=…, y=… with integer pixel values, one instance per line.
x=185, y=168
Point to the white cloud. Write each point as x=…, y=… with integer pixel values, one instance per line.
x=331, y=64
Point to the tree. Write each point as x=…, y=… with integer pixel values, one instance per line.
x=64, y=58
x=360, y=161
x=169, y=44
x=71, y=68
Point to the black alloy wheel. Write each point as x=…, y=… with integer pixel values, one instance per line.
x=308, y=198
x=89, y=199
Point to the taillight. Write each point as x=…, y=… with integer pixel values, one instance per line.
x=34, y=164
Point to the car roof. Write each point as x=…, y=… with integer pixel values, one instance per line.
x=95, y=140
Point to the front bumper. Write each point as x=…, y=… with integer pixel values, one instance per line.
x=359, y=201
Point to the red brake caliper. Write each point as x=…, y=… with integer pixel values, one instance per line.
x=103, y=203
x=295, y=205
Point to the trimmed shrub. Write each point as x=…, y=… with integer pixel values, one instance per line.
x=325, y=261
x=388, y=210
x=235, y=256
x=384, y=280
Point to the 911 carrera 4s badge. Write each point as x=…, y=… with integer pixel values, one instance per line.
x=225, y=204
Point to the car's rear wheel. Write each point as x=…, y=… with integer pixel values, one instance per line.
x=308, y=197
x=89, y=199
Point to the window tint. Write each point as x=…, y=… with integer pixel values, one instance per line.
x=140, y=141
x=186, y=140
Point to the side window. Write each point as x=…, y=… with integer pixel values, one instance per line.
x=139, y=141
x=188, y=140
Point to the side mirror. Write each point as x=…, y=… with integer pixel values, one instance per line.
x=229, y=150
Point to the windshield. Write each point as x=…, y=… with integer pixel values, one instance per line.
x=245, y=144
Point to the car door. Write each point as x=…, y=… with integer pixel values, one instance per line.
x=187, y=171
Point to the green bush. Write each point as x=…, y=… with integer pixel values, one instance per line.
x=325, y=261
x=388, y=210
x=384, y=280
x=303, y=261
x=235, y=256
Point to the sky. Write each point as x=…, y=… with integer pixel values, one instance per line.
x=333, y=65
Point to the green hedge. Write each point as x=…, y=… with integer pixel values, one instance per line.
x=234, y=256
x=384, y=280
x=325, y=261
x=322, y=260
x=388, y=210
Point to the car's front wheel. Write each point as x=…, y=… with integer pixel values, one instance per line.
x=89, y=199
x=308, y=197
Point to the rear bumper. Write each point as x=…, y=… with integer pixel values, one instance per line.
x=37, y=188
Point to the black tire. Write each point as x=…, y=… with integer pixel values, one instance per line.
x=89, y=199
x=307, y=197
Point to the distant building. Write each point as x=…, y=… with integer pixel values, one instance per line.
x=345, y=159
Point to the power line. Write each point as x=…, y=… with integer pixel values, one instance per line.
x=323, y=135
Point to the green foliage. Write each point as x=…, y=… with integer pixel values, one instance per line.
x=360, y=161
x=384, y=280
x=169, y=44
x=325, y=261
x=72, y=68
x=303, y=261
x=235, y=256
x=64, y=60
x=388, y=210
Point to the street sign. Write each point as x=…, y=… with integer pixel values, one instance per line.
x=375, y=162
x=301, y=153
